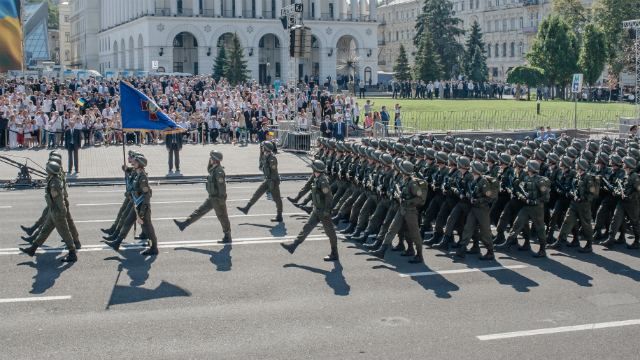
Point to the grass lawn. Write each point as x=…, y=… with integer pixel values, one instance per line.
x=503, y=114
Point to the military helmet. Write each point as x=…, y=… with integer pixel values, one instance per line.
x=430, y=154
x=520, y=161
x=459, y=148
x=634, y=153
x=566, y=162
x=442, y=157
x=489, y=138
x=478, y=144
x=449, y=138
x=526, y=152
x=403, y=140
x=427, y=143
x=374, y=143
x=533, y=145
x=468, y=150
x=386, y=159
x=437, y=145
x=553, y=142
x=55, y=156
x=493, y=156
x=630, y=162
x=520, y=143
x=582, y=164
x=478, y=167
x=593, y=147
x=447, y=146
x=546, y=146
x=603, y=158
x=409, y=149
x=382, y=144
x=505, y=159
x=56, y=160
x=141, y=159
x=332, y=143
x=553, y=158
x=269, y=146
x=578, y=145
x=606, y=148
x=318, y=166
x=53, y=168
x=57, y=153
x=622, y=152
x=420, y=150
x=572, y=152
x=527, y=138
x=415, y=141
x=533, y=165
x=467, y=141
x=489, y=145
x=559, y=149
x=463, y=162
x=453, y=159
x=540, y=155
x=365, y=141
x=500, y=147
x=633, y=145
x=406, y=167
x=479, y=153
x=398, y=147
x=563, y=142
x=514, y=149
x=616, y=160
x=216, y=155
x=588, y=155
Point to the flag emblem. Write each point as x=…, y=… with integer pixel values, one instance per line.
x=151, y=108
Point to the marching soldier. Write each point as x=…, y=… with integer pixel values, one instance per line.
x=322, y=200
x=217, y=190
x=126, y=204
x=609, y=199
x=57, y=217
x=271, y=183
x=628, y=193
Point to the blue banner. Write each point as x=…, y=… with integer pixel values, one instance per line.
x=141, y=113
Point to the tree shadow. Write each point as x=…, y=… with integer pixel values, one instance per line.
x=334, y=278
x=607, y=264
x=551, y=266
x=278, y=230
x=221, y=259
x=48, y=270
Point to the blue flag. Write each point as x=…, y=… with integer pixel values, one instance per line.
x=141, y=113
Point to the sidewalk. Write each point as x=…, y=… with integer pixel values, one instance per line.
x=104, y=163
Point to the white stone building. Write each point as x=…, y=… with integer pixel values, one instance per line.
x=185, y=35
x=85, y=25
x=396, y=25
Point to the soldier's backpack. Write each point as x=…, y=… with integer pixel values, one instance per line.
x=544, y=186
x=424, y=190
x=492, y=188
x=594, y=185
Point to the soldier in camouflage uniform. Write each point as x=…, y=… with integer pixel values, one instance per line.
x=628, y=195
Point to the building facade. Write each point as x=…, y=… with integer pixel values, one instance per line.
x=36, y=36
x=509, y=28
x=64, y=25
x=85, y=25
x=185, y=36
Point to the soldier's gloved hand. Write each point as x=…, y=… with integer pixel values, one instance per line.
x=461, y=197
x=532, y=202
x=473, y=201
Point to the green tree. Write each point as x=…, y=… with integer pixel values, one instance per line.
x=555, y=50
x=526, y=75
x=609, y=15
x=427, y=66
x=475, y=60
x=236, y=66
x=437, y=18
x=220, y=63
x=401, y=68
x=593, y=53
x=573, y=12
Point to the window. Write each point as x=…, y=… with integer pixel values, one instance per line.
x=470, y=4
x=462, y=4
x=67, y=35
x=497, y=27
x=488, y=26
x=504, y=25
x=497, y=50
x=521, y=22
x=489, y=51
x=513, y=23
x=66, y=18
x=495, y=72
x=497, y=2
x=504, y=49
x=512, y=50
x=477, y=4
x=520, y=49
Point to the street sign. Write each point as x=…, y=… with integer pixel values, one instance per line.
x=155, y=64
x=576, y=84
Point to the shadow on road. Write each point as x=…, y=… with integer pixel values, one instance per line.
x=551, y=266
x=278, y=230
x=221, y=259
x=607, y=264
x=48, y=270
x=334, y=278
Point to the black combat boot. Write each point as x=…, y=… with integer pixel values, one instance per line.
x=349, y=229
x=31, y=250
x=444, y=243
x=293, y=201
x=610, y=243
x=70, y=258
x=461, y=252
x=526, y=246
x=418, y=259
x=77, y=245
x=291, y=247
x=110, y=237
x=437, y=236
x=512, y=239
x=109, y=230
x=410, y=251
x=361, y=238
x=541, y=253
x=278, y=218
x=488, y=256
x=115, y=244
x=28, y=230
x=499, y=239
x=142, y=236
x=399, y=246
x=475, y=249
x=598, y=235
x=150, y=251
x=227, y=238
x=337, y=219
x=333, y=256
x=244, y=210
x=575, y=242
x=557, y=245
x=381, y=251
x=587, y=248
x=634, y=245
x=376, y=244
x=180, y=224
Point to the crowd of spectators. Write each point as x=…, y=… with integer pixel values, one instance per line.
x=448, y=89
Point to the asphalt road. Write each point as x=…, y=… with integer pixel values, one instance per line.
x=202, y=300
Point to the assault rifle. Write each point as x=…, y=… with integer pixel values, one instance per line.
x=397, y=193
x=619, y=189
x=607, y=185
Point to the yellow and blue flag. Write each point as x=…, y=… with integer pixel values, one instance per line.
x=81, y=102
x=10, y=36
x=141, y=113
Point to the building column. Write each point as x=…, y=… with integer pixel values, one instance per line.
x=373, y=10
x=363, y=8
x=355, y=10
x=238, y=8
x=259, y=9
x=151, y=6
x=196, y=7
x=318, y=7
x=342, y=9
x=278, y=8
x=174, y=7
x=216, y=8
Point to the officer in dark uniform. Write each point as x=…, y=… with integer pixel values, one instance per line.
x=581, y=194
x=628, y=194
x=477, y=221
x=322, y=200
x=271, y=182
x=217, y=199
x=54, y=196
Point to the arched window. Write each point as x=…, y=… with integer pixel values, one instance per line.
x=512, y=49
x=497, y=50
x=504, y=49
x=489, y=50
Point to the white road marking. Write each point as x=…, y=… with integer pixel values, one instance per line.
x=177, y=190
x=462, y=271
x=159, y=202
x=30, y=299
x=171, y=244
x=5, y=207
x=562, y=329
x=181, y=217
